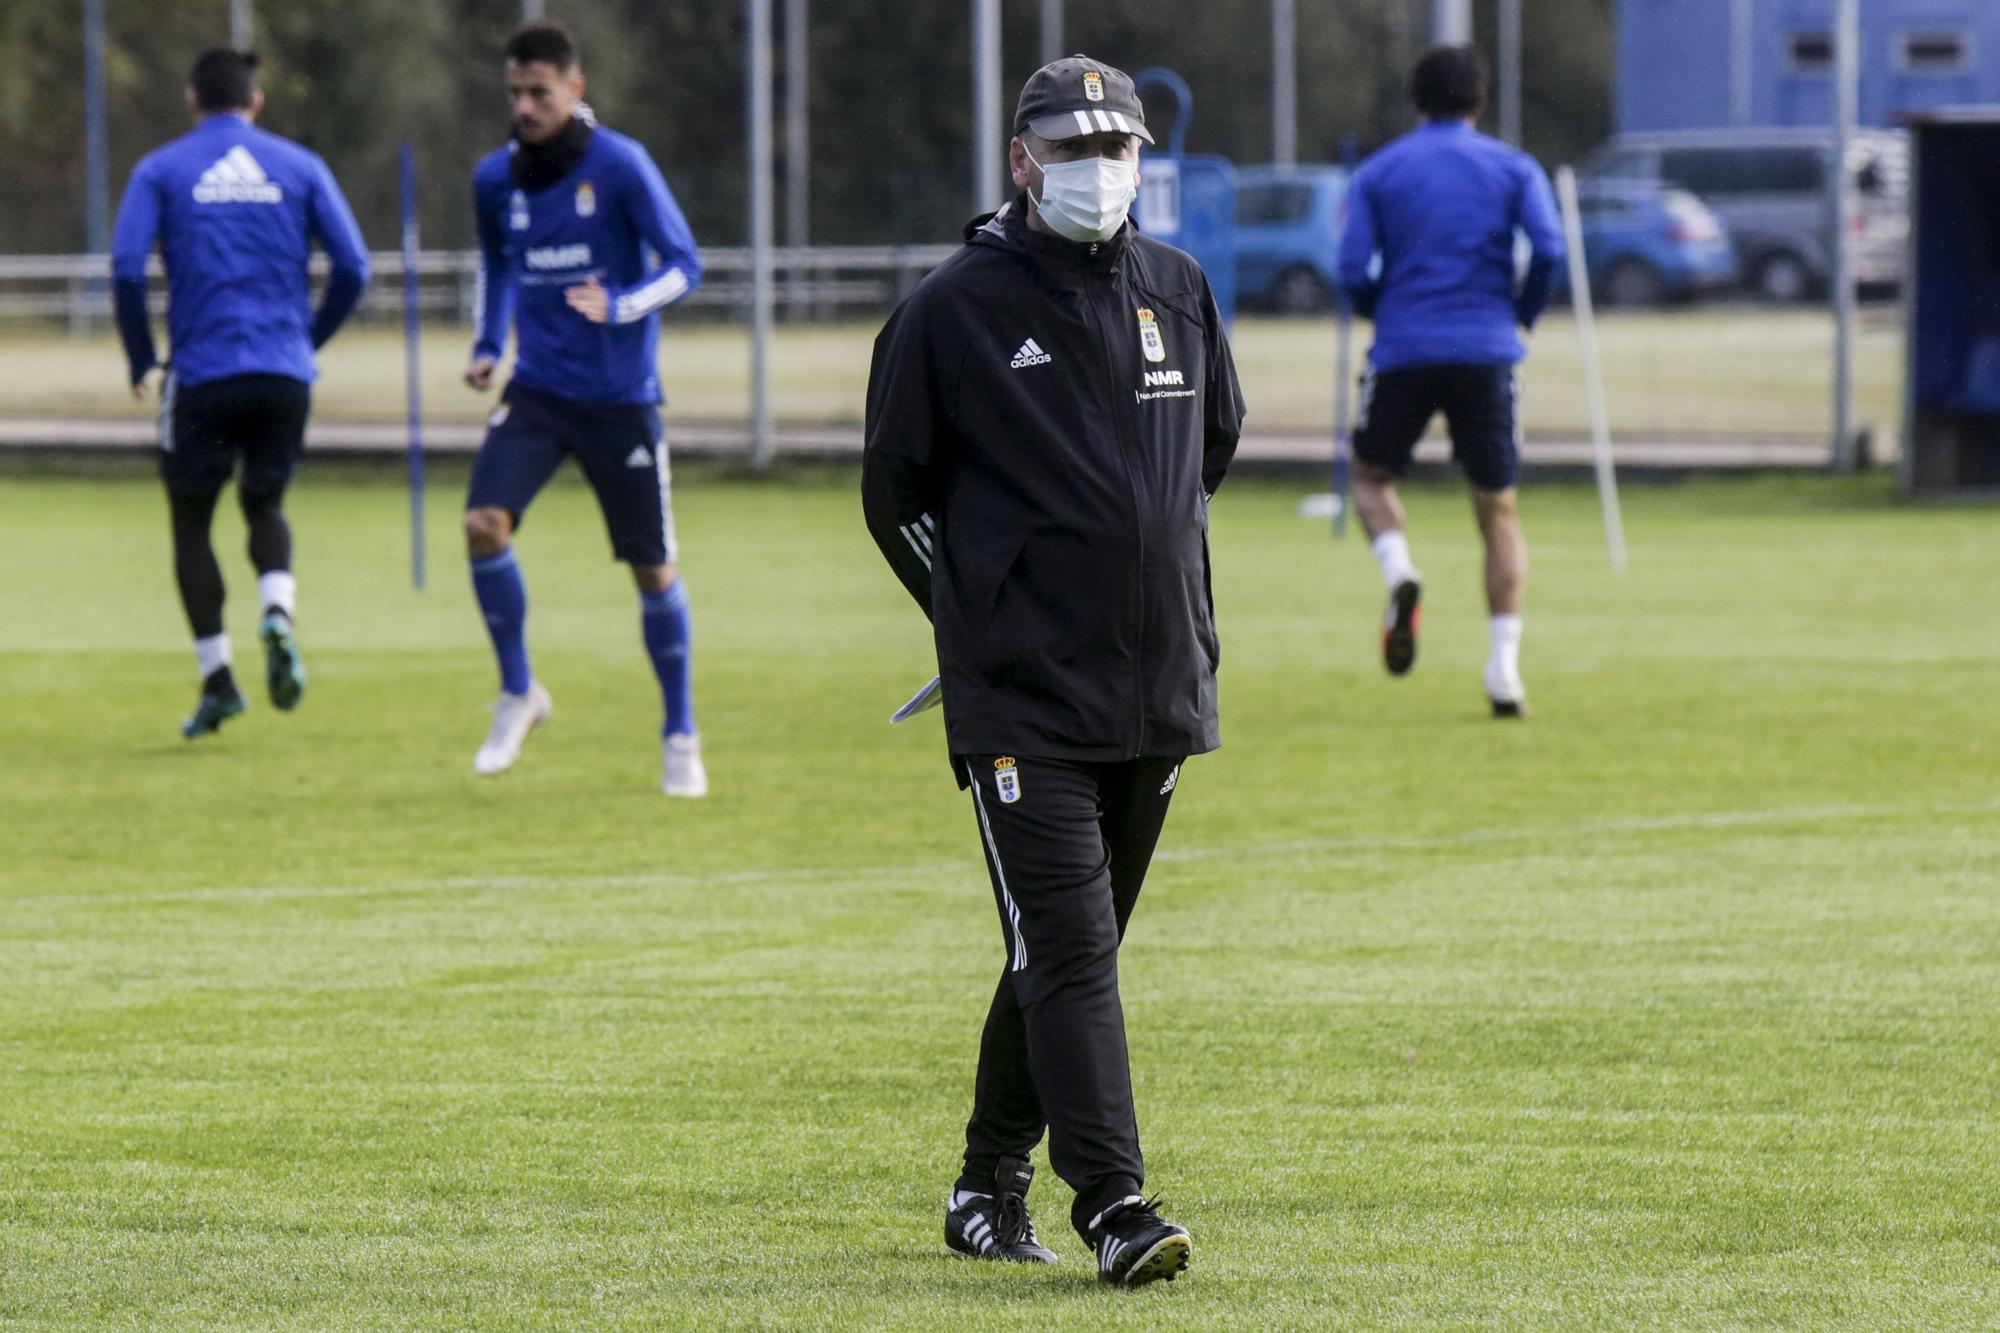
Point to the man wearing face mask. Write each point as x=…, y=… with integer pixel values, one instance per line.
x=1048, y=415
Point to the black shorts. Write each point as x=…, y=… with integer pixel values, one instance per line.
x=620, y=446
x=205, y=427
x=1480, y=403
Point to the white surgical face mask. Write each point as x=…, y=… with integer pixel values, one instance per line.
x=1087, y=200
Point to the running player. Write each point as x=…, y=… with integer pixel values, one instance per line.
x=581, y=244
x=1438, y=210
x=235, y=211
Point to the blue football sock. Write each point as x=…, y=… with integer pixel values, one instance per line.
x=663, y=616
x=503, y=600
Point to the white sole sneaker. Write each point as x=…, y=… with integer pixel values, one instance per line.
x=681, y=771
x=513, y=718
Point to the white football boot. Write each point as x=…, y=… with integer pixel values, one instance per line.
x=1504, y=691
x=682, y=772
x=513, y=718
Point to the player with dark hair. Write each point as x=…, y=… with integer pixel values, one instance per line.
x=581, y=244
x=1428, y=253
x=235, y=211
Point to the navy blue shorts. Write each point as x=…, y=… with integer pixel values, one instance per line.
x=620, y=446
x=205, y=428
x=1479, y=403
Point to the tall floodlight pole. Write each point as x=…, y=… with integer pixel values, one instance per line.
x=1284, y=82
x=239, y=25
x=1510, y=71
x=1846, y=109
x=1742, y=34
x=759, y=96
x=1052, y=31
x=987, y=191
x=1451, y=22
x=798, y=163
x=96, y=150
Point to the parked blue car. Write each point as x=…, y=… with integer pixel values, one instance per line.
x=1644, y=244
x=1287, y=232
x=1647, y=245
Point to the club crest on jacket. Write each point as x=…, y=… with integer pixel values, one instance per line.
x=1150, y=341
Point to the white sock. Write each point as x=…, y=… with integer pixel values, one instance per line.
x=212, y=653
x=1392, y=552
x=1504, y=661
x=278, y=588
x=959, y=1198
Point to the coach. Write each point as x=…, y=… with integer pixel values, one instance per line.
x=1048, y=415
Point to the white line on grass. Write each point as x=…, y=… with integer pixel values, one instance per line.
x=1591, y=828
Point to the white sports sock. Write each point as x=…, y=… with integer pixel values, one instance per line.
x=1505, y=658
x=959, y=1198
x=212, y=653
x=278, y=588
x=1392, y=552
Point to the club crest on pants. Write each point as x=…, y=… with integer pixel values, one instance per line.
x=1007, y=779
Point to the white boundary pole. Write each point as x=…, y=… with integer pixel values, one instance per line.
x=1846, y=95
x=1593, y=371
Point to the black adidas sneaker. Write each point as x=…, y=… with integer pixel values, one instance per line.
x=1400, y=620
x=1135, y=1245
x=997, y=1225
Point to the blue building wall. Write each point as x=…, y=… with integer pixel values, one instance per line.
x=1676, y=68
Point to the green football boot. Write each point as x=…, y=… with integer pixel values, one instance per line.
x=215, y=708
x=284, y=673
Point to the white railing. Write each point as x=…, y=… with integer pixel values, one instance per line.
x=813, y=283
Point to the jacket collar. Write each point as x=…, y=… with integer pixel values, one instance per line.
x=1008, y=228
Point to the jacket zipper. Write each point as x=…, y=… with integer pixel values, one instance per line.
x=1125, y=451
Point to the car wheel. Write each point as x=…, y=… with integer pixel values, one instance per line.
x=1632, y=282
x=1784, y=277
x=1300, y=292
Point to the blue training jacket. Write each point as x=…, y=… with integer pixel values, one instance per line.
x=1439, y=208
x=235, y=210
x=611, y=217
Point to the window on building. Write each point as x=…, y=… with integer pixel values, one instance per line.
x=1934, y=53
x=1809, y=52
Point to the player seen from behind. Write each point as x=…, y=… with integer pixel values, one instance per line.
x=235, y=211
x=1428, y=253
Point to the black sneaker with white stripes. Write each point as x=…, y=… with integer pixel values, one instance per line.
x=997, y=1225
x=1135, y=1245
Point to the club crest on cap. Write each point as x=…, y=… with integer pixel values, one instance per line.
x=1150, y=341
x=1007, y=779
x=1093, y=86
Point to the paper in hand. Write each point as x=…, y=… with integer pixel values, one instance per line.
x=929, y=697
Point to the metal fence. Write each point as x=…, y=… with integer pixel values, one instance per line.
x=816, y=283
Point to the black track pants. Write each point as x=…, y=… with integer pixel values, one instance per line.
x=1067, y=846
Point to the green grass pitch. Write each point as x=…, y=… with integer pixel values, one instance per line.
x=1677, y=1005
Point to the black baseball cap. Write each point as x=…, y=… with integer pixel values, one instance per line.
x=1076, y=96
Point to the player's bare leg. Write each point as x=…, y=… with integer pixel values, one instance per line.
x=663, y=608
x=1381, y=513
x=1506, y=575
x=503, y=600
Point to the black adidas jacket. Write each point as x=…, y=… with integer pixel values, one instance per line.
x=1046, y=422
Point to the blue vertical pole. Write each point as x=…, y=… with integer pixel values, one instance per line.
x=412, y=329
x=1343, y=425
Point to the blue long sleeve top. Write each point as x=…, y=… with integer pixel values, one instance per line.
x=611, y=217
x=1428, y=247
x=235, y=211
